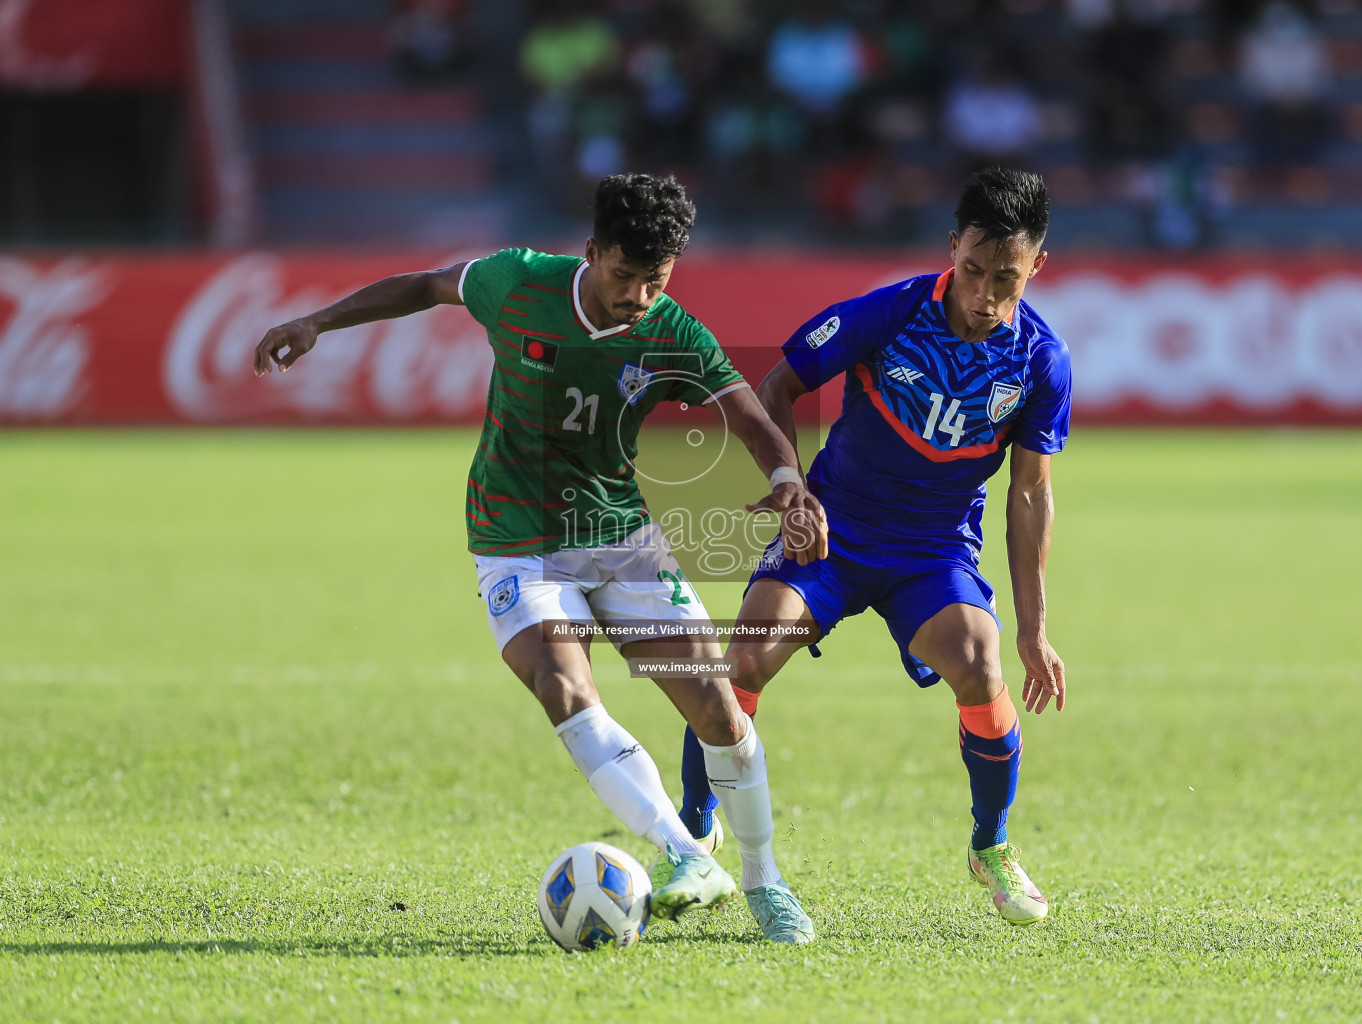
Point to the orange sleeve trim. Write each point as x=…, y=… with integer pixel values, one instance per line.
x=989, y=721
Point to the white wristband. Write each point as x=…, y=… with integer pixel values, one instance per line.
x=785, y=475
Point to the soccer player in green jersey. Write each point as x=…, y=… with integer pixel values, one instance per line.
x=585, y=349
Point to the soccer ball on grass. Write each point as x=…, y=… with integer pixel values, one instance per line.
x=592, y=895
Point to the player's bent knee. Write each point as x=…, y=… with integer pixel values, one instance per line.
x=752, y=668
x=717, y=722
x=977, y=683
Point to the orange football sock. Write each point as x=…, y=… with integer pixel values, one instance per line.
x=989, y=721
x=747, y=700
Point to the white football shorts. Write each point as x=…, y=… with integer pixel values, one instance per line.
x=634, y=590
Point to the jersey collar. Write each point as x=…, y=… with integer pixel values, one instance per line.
x=1010, y=327
x=581, y=313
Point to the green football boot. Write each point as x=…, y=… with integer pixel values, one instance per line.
x=1013, y=893
x=781, y=917
x=697, y=882
x=661, y=868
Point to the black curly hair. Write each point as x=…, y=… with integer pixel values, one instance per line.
x=648, y=218
x=1002, y=202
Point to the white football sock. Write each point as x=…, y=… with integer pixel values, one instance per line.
x=737, y=775
x=624, y=778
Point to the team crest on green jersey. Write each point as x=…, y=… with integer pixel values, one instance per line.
x=633, y=382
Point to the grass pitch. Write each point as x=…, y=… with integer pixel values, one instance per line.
x=250, y=710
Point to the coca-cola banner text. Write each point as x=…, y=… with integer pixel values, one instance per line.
x=91, y=44
x=168, y=339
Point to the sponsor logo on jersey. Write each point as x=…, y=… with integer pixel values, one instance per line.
x=542, y=355
x=1002, y=400
x=503, y=597
x=904, y=373
x=633, y=382
x=815, y=338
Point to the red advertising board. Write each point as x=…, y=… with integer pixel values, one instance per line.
x=82, y=44
x=140, y=339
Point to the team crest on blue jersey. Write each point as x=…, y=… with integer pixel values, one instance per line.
x=1002, y=400
x=633, y=382
x=503, y=597
x=829, y=327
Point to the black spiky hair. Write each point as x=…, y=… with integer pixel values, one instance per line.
x=1003, y=202
x=648, y=218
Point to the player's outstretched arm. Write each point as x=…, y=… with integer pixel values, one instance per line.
x=1030, y=522
x=392, y=297
x=803, y=525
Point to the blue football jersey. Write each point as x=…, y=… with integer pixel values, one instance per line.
x=926, y=418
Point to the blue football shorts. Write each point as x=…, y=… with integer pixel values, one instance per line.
x=838, y=587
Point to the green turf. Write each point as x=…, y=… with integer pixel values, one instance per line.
x=249, y=704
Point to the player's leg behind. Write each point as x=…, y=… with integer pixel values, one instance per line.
x=698, y=802
x=756, y=662
x=735, y=762
x=737, y=770
x=741, y=781
x=960, y=642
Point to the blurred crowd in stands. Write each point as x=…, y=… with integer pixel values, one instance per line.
x=865, y=111
x=431, y=40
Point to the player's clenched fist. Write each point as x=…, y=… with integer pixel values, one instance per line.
x=803, y=524
x=804, y=533
x=296, y=336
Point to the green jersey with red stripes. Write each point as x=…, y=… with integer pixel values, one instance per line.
x=555, y=464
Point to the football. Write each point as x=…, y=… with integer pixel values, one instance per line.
x=592, y=895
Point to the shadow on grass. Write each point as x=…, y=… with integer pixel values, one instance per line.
x=455, y=946
x=367, y=947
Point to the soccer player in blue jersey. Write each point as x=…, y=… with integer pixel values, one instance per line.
x=944, y=373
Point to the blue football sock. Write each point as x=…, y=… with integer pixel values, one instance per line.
x=698, y=803
x=993, y=763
